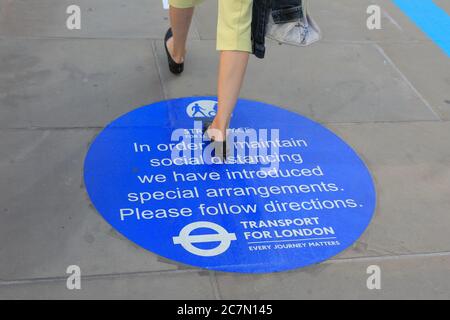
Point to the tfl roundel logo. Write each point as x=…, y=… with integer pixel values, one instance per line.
x=186, y=240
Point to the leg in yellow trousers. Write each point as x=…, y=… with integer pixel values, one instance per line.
x=233, y=25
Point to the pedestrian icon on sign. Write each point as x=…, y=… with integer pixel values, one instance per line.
x=196, y=108
x=202, y=109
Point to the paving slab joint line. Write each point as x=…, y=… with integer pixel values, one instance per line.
x=329, y=41
x=392, y=20
x=41, y=128
x=142, y=38
x=158, y=68
x=98, y=276
x=217, y=294
x=392, y=257
x=371, y=42
x=215, y=285
x=381, y=122
x=421, y=97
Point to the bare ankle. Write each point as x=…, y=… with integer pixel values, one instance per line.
x=218, y=132
x=177, y=57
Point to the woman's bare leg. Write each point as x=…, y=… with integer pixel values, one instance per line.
x=232, y=67
x=180, y=21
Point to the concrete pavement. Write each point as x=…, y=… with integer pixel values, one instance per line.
x=386, y=92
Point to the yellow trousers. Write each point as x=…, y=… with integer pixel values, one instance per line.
x=233, y=25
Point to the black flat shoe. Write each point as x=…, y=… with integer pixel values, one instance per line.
x=205, y=126
x=221, y=150
x=175, y=68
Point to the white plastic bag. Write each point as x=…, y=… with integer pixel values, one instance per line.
x=302, y=32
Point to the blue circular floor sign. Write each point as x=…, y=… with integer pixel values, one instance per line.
x=290, y=193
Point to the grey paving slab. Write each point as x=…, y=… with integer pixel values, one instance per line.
x=205, y=18
x=431, y=76
x=443, y=4
x=184, y=286
x=99, y=19
x=410, y=163
x=381, y=91
x=74, y=83
x=47, y=220
x=340, y=21
x=347, y=21
x=405, y=24
x=328, y=82
x=394, y=18
x=423, y=63
x=401, y=278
